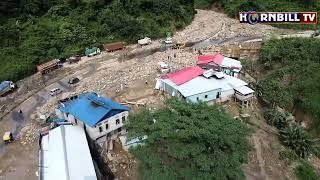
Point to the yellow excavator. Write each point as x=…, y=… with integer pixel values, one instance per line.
x=7, y=137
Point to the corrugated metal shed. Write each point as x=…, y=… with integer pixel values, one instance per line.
x=66, y=155
x=91, y=108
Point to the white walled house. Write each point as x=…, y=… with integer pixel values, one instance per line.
x=99, y=116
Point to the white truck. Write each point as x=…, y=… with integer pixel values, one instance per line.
x=6, y=87
x=144, y=41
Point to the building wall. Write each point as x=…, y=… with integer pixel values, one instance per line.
x=226, y=95
x=206, y=96
x=101, y=128
x=112, y=124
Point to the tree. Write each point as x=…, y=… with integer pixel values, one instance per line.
x=189, y=141
x=298, y=140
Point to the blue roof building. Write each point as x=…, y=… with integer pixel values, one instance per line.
x=91, y=108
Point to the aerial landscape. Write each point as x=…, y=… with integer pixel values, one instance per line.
x=159, y=90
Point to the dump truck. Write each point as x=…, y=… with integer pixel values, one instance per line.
x=144, y=41
x=74, y=59
x=6, y=87
x=114, y=46
x=92, y=51
x=49, y=66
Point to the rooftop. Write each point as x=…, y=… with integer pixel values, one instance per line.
x=66, y=155
x=184, y=75
x=91, y=108
x=201, y=84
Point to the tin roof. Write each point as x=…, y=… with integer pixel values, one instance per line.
x=91, y=108
x=201, y=85
x=216, y=58
x=244, y=90
x=65, y=155
x=184, y=75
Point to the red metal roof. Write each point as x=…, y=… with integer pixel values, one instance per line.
x=216, y=58
x=184, y=75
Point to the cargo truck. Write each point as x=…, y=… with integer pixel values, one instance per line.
x=6, y=87
x=144, y=41
x=49, y=66
x=92, y=51
x=114, y=46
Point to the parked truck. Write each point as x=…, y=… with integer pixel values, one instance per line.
x=6, y=87
x=144, y=41
x=92, y=51
x=49, y=66
x=114, y=46
x=74, y=59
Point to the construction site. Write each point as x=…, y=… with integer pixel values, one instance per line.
x=128, y=75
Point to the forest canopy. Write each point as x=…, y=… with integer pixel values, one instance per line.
x=292, y=75
x=35, y=31
x=189, y=141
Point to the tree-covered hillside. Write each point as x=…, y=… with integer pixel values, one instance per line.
x=293, y=77
x=35, y=31
x=189, y=141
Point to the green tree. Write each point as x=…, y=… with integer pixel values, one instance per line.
x=189, y=141
x=298, y=140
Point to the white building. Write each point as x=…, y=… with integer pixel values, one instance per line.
x=194, y=84
x=65, y=155
x=99, y=116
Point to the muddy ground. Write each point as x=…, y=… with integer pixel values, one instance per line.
x=133, y=77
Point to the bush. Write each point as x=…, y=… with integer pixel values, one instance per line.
x=305, y=171
x=288, y=156
x=278, y=119
x=297, y=139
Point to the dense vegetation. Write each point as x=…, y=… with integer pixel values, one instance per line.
x=292, y=80
x=36, y=31
x=189, y=141
x=305, y=171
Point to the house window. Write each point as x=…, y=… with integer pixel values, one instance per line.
x=218, y=95
x=206, y=96
x=123, y=119
x=107, y=126
x=197, y=98
x=100, y=129
x=117, y=121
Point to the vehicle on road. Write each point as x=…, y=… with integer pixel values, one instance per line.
x=163, y=68
x=74, y=59
x=73, y=80
x=55, y=91
x=49, y=66
x=92, y=51
x=7, y=137
x=6, y=87
x=114, y=46
x=144, y=41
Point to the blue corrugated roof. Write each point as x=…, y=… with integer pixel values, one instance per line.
x=4, y=85
x=91, y=108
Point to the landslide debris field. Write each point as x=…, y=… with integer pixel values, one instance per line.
x=123, y=78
